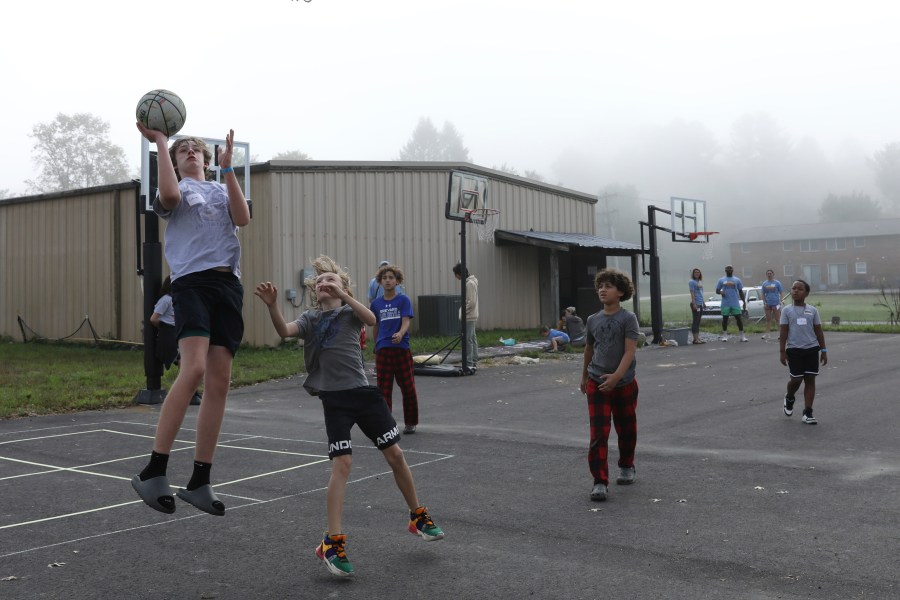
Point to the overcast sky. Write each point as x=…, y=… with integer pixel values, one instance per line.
x=524, y=82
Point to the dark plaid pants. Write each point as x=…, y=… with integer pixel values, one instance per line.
x=397, y=362
x=621, y=405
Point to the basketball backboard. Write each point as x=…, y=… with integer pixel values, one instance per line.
x=467, y=192
x=688, y=217
x=241, y=162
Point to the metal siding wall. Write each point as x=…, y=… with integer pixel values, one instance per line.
x=57, y=254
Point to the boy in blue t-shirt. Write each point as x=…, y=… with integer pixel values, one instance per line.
x=772, y=293
x=393, y=358
x=556, y=336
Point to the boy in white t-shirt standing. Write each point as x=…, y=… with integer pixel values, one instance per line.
x=802, y=344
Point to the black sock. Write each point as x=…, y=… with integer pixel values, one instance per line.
x=200, y=477
x=156, y=466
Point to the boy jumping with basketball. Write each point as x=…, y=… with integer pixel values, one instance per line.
x=204, y=254
x=330, y=333
x=608, y=380
x=801, y=342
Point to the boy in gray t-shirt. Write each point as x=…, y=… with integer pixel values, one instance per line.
x=801, y=341
x=608, y=380
x=330, y=333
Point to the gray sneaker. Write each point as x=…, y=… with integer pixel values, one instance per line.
x=626, y=476
x=409, y=429
x=598, y=492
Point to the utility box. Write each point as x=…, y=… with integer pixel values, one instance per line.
x=678, y=334
x=439, y=314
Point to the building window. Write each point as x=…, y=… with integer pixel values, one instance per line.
x=837, y=275
x=836, y=244
x=809, y=245
x=745, y=248
x=747, y=272
x=788, y=270
x=787, y=246
x=861, y=268
x=859, y=242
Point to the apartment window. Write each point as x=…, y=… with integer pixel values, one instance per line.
x=809, y=245
x=859, y=242
x=788, y=270
x=836, y=244
x=747, y=272
x=861, y=268
x=837, y=274
x=787, y=246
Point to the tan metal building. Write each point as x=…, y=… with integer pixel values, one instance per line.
x=75, y=254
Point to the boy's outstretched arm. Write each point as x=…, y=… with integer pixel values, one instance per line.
x=237, y=204
x=361, y=310
x=167, y=181
x=268, y=293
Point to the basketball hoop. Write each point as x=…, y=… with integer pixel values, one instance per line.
x=485, y=221
x=695, y=234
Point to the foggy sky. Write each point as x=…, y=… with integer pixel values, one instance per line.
x=587, y=94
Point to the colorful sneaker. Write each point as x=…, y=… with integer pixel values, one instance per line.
x=807, y=417
x=788, y=405
x=331, y=551
x=420, y=523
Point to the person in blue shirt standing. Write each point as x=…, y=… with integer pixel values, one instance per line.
x=732, y=291
x=695, y=285
x=393, y=358
x=772, y=292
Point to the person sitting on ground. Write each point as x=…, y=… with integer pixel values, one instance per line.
x=574, y=326
x=556, y=336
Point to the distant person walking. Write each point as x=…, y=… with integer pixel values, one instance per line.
x=802, y=343
x=732, y=291
x=695, y=286
x=772, y=292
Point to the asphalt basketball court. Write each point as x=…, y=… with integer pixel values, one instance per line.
x=732, y=499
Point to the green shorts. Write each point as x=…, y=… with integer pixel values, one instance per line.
x=730, y=311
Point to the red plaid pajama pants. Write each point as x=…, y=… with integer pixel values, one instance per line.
x=397, y=363
x=620, y=406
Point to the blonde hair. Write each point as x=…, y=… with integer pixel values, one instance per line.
x=325, y=264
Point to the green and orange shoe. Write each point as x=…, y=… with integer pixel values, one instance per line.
x=420, y=523
x=331, y=551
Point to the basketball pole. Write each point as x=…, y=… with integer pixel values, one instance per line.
x=464, y=274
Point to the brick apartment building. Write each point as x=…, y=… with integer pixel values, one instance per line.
x=830, y=256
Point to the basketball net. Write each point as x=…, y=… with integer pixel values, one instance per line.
x=485, y=221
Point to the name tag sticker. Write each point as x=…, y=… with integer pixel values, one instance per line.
x=801, y=321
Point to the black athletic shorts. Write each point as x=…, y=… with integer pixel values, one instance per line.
x=364, y=407
x=210, y=301
x=803, y=361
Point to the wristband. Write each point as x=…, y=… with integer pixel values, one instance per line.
x=226, y=170
x=823, y=349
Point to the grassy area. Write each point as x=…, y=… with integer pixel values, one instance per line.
x=857, y=308
x=45, y=378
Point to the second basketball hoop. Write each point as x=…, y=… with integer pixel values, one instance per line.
x=485, y=221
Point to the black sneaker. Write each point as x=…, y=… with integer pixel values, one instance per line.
x=808, y=418
x=788, y=405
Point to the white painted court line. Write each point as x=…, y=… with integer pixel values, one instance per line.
x=194, y=516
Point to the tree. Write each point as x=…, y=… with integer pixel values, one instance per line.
x=292, y=155
x=4, y=193
x=886, y=163
x=74, y=151
x=427, y=143
x=849, y=207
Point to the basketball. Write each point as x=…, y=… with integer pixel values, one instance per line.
x=162, y=110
